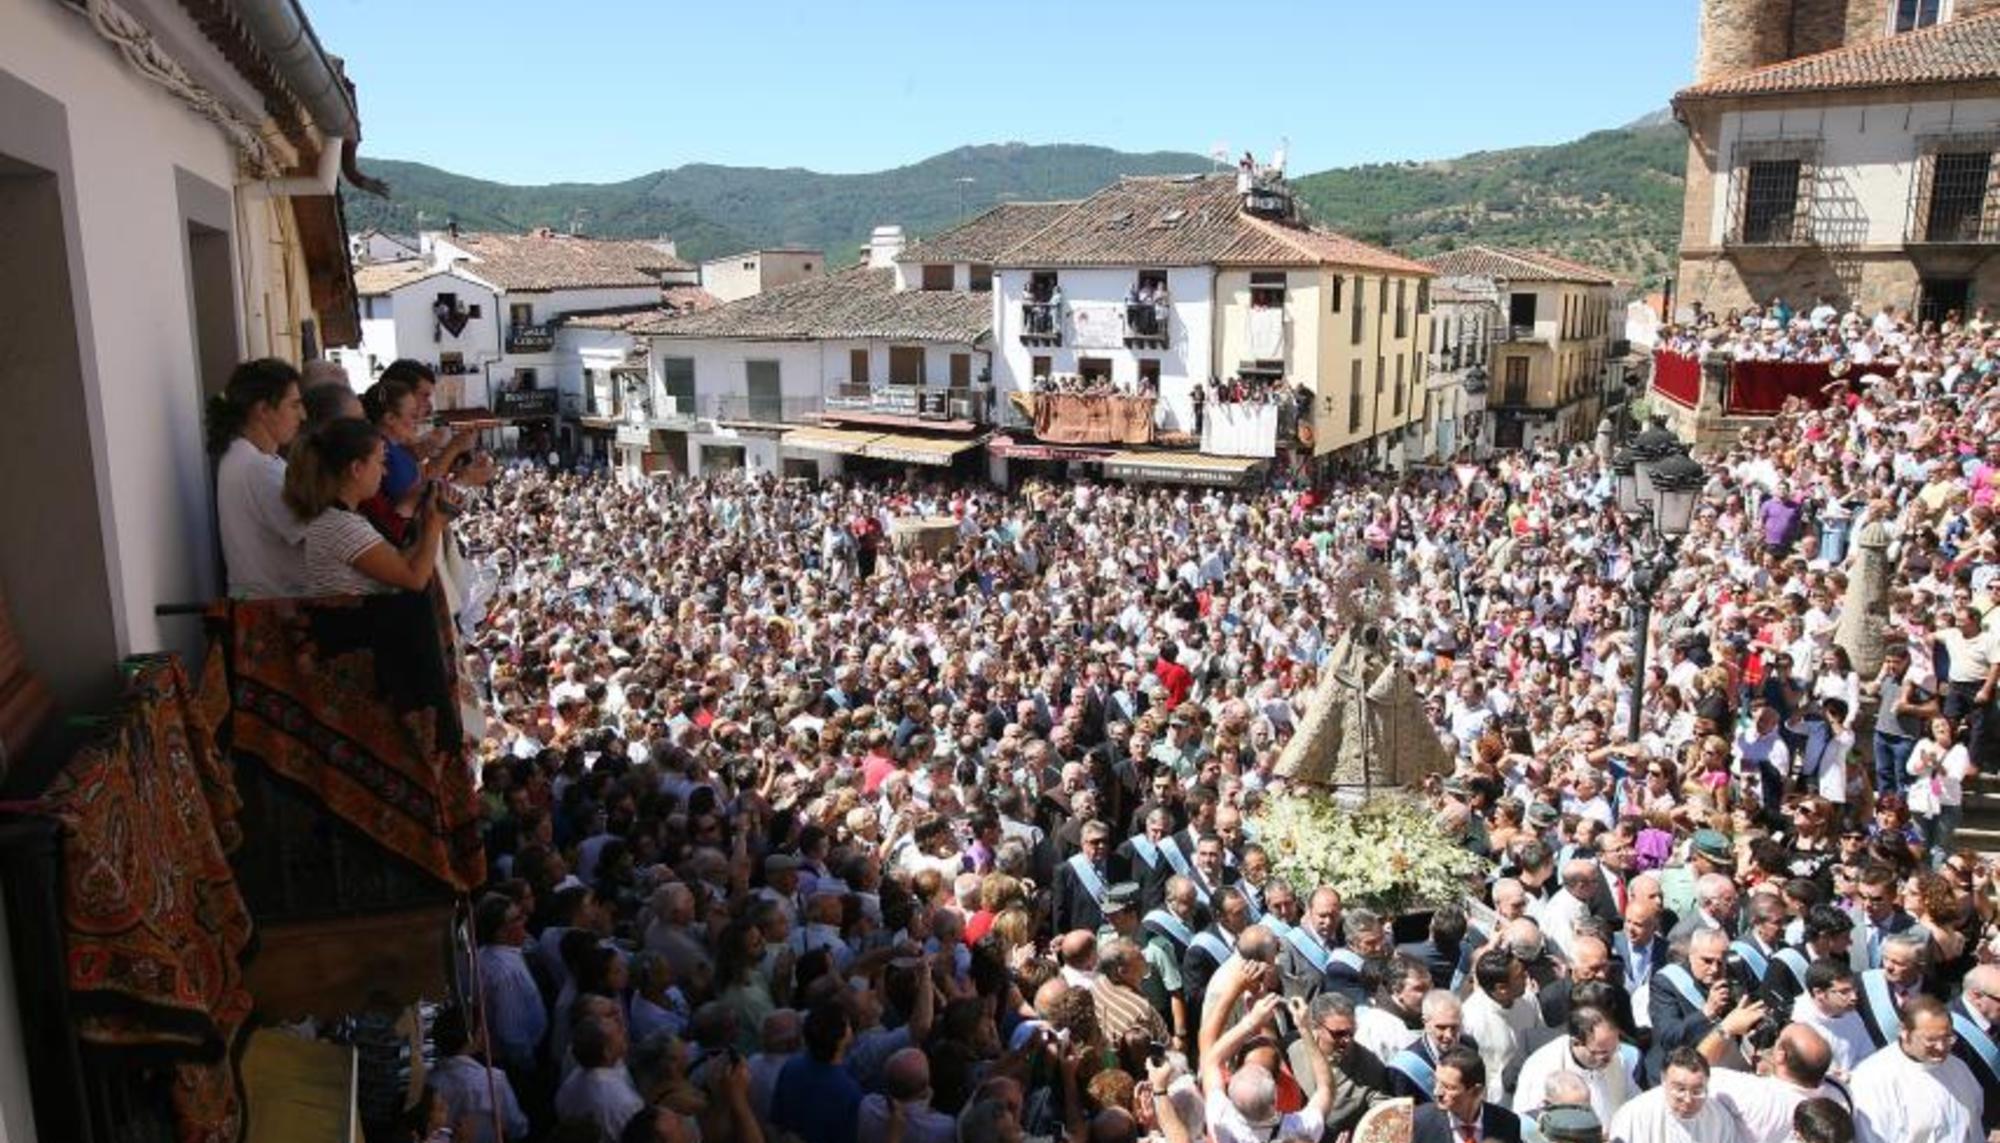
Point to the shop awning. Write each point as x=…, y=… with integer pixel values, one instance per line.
x=1180, y=468
x=818, y=438
x=937, y=451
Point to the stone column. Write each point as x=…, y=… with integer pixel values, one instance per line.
x=1864, y=614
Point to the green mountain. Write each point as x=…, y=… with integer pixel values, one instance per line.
x=712, y=210
x=1612, y=198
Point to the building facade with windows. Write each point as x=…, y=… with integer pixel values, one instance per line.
x=1240, y=287
x=812, y=377
x=1465, y=322
x=1552, y=341
x=1844, y=148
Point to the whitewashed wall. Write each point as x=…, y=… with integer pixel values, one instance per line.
x=1184, y=363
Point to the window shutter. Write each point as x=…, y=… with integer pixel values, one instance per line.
x=1920, y=192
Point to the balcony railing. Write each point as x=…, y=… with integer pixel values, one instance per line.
x=1519, y=331
x=1148, y=324
x=530, y=338
x=1041, y=323
x=917, y=401
x=762, y=410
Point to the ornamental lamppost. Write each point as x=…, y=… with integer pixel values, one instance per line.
x=1658, y=484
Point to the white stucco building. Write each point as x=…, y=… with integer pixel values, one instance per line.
x=1251, y=292
x=750, y=272
x=863, y=366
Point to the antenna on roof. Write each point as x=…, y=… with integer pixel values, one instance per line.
x=1219, y=155
x=1278, y=160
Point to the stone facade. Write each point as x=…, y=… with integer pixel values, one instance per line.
x=1723, y=281
x=1739, y=35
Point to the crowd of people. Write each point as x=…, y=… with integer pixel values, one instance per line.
x=1827, y=334
x=794, y=833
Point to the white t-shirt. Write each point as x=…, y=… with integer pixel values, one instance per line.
x=334, y=540
x=262, y=539
x=1226, y=1124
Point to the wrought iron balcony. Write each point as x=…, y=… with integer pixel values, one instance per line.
x=1041, y=323
x=1148, y=325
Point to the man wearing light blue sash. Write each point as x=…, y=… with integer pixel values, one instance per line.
x=1884, y=991
x=1082, y=882
x=1413, y=1071
x=1687, y=1003
x=1143, y=858
x=1762, y=937
x=1367, y=939
x=1211, y=947
x=1306, y=949
x=1972, y=1016
x=1169, y=932
x=1828, y=933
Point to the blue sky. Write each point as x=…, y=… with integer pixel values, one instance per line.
x=599, y=90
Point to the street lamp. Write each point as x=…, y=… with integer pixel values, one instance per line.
x=1658, y=484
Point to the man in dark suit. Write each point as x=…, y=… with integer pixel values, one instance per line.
x=1413, y=1071
x=1973, y=1017
x=1446, y=953
x=1698, y=1004
x=1082, y=881
x=1460, y=1113
x=1367, y=938
x=1639, y=949
x=1881, y=914
x=1828, y=933
x=1306, y=952
x=1589, y=963
x=1141, y=860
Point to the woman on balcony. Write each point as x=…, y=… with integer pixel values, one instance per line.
x=249, y=424
x=335, y=471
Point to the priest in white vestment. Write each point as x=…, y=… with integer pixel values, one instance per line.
x=1679, y=1110
x=1915, y=1090
x=1830, y=1011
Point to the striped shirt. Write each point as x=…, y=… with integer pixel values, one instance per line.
x=1120, y=1008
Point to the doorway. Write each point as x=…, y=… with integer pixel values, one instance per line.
x=54, y=568
x=1938, y=297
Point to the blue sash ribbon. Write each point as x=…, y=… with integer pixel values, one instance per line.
x=1754, y=957
x=1213, y=945
x=1980, y=1041
x=1417, y=1068
x=1882, y=1019
x=1171, y=850
x=1678, y=979
x=1174, y=928
x=1093, y=883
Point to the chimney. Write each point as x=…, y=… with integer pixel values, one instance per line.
x=883, y=245
x=668, y=247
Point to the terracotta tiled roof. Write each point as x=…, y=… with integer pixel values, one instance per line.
x=986, y=236
x=377, y=278
x=1187, y=220
x=674, y=301
x=1516, y=266
x=564, y=262
x=855, y=303
x=1961, y=50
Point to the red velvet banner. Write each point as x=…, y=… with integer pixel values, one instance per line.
x=1761, y=388
x=1677, y=378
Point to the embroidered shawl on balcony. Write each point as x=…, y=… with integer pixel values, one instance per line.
x=155, y=928
x=354, y=699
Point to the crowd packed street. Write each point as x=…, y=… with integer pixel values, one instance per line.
x=796, y=831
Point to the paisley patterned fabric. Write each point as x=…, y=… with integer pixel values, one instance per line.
x=155, y=928
x=354, y=699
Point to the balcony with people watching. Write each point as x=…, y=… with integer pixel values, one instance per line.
x=306, y=788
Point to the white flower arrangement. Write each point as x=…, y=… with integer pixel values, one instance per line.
x=1388, y=853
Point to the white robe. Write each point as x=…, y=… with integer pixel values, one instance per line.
x=1898, y=1100
x=1382, y=1033
x=1610, y=1088
x=1648, y=1119
x=1504, y=1035
x=1846, y=1035
x=1763, y=1104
